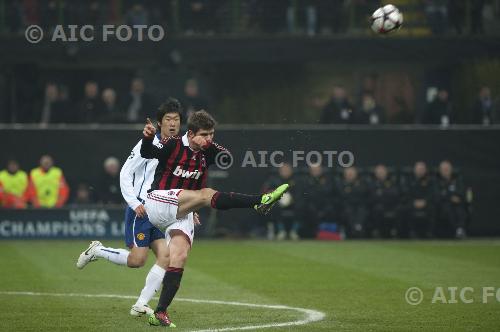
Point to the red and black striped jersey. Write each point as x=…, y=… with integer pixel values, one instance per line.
x=179, y=167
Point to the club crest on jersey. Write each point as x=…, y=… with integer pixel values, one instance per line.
x=187, y=174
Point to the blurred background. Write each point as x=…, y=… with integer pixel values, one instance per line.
x=418, y=109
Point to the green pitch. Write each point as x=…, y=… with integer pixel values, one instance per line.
x=357, y=285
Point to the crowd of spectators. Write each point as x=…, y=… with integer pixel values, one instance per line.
x=377, y=101
x=45, y=186
x=379, y=202
x=340, y=108
x=106, y=105
x=208, y=17
x=452, y=16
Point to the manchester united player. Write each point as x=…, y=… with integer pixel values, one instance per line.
x=183, y=163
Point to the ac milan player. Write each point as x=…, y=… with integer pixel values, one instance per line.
x=183, y=163
x=136, y=177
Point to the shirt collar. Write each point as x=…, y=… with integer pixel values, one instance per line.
x=185, y=141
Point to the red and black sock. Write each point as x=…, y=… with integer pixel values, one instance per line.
x=171, y=283
x=225, y=201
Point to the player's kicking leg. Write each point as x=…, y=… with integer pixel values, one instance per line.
x=193, y=200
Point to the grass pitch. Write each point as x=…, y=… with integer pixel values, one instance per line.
x=358, y=285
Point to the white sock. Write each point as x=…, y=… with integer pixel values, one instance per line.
x=117, y=256
x=153, y=283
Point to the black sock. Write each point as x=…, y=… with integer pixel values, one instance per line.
x=171, y=283
x=224, y=201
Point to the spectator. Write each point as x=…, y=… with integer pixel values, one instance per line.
x=94, y=13
x=319, y=205
x=109, y=185
x=137, y=15
x=353, y=198
x=477, y=7
x=13, y=186
x=55, y=109
x=437, y=13
x=285, y=211
x=384, y=200
x=83, y=195
x=50, y=13
x=303, y=11
x=90, y=108
x=456, y=11
x=139, y=104
x=439, y=110
x=197, y=16
x=47, y=186
x=452, y=213
x=14, y=16
x=270, y=16
x=111, y=111
x=483, y=108
x=191, y=99
x=369, y=111
x=332, y=16
x=338, y=110
x=420, y=207
x=31, y=12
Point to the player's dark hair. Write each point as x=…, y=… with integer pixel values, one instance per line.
x=171, y=105
x=200, y=120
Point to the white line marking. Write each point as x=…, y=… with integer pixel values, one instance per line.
x=310, y=315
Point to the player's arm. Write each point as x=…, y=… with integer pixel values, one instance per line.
x=212, y=152
x=134, y=162
x=148, y=150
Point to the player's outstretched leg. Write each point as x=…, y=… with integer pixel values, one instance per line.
x=97, y=250
x=268, y=200
x=88, y=255
x=193, y=200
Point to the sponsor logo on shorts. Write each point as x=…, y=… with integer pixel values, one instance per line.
x=140, y=236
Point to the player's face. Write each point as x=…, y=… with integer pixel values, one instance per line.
x=207, y=134
x=201, y=138
x=170, y=124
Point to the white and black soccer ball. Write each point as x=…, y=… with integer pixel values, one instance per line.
x=386, y=19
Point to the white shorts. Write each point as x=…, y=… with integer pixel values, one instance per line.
x=161, y=207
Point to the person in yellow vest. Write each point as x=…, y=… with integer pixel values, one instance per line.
x=47, y=187
x=13, y=186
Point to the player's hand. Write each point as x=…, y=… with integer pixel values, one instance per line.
x=140, y=211
x=149, y=129
x=201, y=142
x=196, y=219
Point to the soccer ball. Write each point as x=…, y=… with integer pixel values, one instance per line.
x=386, y=19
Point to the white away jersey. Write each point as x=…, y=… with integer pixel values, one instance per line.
x=136, y=175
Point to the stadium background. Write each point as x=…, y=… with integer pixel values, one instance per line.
x=267, y=70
